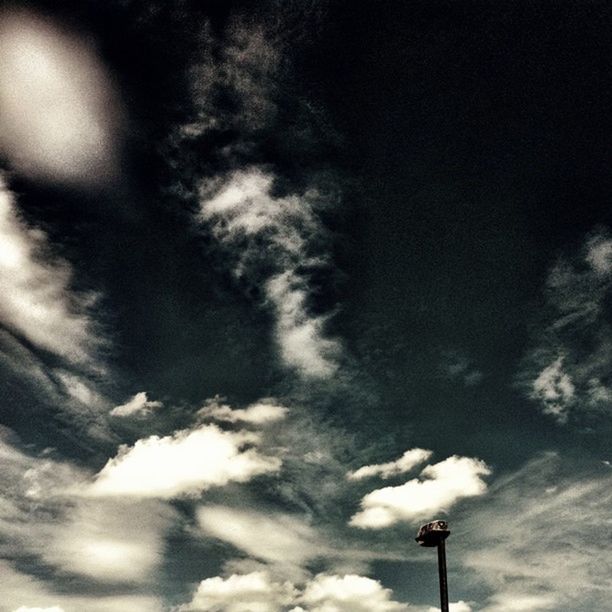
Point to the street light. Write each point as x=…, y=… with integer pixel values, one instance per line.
x=434, y=534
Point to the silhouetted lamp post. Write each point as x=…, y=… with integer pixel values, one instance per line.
x=434, y=534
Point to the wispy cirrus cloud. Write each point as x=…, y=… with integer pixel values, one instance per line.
x=37, y=302
x=51, y=339
x=441, y=486
x=275, y=243
x=267, y=226
x=547, y=498
x=290, y=540
x=567, y=369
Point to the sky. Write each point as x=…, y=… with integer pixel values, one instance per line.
x=282, y=281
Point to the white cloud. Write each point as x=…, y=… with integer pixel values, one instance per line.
x=260, y=413
x=350, y=593
x=110, y=541
x=554, y=389
x=410, y=459
x=599, y=253
x=566, y=371
x=185, y=463
x=58, y=108
x=442, y=486
x=289, y=540
x=299, y=335
x=36, y=301
x=52, y=609
x=519, y=602
x=23, y=592
x=538, y=542
x=44, y=516
x=258, y=592
x=457, y=606
x=254, y=592
x=272, y=240
x=138, y=406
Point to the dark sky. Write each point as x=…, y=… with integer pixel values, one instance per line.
x=247, y=248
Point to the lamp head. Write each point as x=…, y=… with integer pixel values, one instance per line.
x=433, y=533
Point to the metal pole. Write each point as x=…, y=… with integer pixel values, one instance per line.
x=442, y=572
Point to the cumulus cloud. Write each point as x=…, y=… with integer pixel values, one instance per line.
x=183, y=464
x=254, y=592
x=259, y=413
x=138, y=406
x=274, y=240
x=59, y=114
x=36, y=302
x=410, y=459
x=457, y=606
x=440, y=487
x=542, y=502
x=350, y=593
x=257, y=592
x=566, y=371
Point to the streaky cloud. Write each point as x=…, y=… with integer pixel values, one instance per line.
x=37, y=302
x=275, y=242
x=566, y=370
x=409, y=460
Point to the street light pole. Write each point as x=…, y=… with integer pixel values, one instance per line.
x=434, y=534
x=442, y=573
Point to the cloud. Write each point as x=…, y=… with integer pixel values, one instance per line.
x=410, y=459
x=260, y=413
x=517, y=602
x=53, y=609
x=442, y=486
x=350, y=593
x=183, y=464
x=275, y=244
x=254, y=592
x=554, y=389
x=458, y=366
x=59, y=114
x=111, y=541
x=457, y=606
x=539, y=542
x=44, y=517
x=566, y=371
x=289, y=540
x=37, y=302
x=257, y=592
x=244, y=71
x=21, y=591
x=137, y=406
